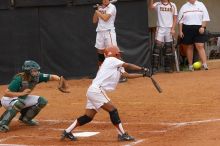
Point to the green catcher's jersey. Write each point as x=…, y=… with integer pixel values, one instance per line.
x=19, y=85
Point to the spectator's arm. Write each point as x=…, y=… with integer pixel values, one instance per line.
x=181, y=30
x=151, y=4
x=95, y=18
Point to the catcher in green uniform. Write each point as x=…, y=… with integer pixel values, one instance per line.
x=17, y=96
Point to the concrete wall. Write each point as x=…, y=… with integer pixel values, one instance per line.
x=213, y=7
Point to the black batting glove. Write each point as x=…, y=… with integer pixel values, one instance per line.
x=146, y=72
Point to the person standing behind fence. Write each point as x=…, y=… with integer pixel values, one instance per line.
x=106, y=36
x=166, y=22
x=193, y=17
x=104, y=15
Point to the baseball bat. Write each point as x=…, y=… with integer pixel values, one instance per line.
x=156, y=85
x=176, y=57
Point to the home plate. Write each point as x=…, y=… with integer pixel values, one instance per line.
x=85, y=134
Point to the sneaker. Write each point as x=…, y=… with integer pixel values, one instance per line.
x=123, y=79
x=168, y=70
x=155, y=70
x=191, y=68
x=68, y=135
x=4, y=128
x=29, y=122
x=125, y=137
x=205, y=67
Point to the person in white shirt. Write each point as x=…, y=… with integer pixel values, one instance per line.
x=106, y=80
x=193, y=17
x=166, y=22
x=218, y=41
x=105, y=17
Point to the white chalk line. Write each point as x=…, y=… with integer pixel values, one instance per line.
x=5, y=139
x=135, y=142
x=8, y=138
x=12, y=145
x=173, y=126
x=136, y=103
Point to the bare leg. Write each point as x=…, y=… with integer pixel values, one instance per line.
x=114, y=116
x=110, y=107
x=89, y=114
x=202, y=54
x=189, y=53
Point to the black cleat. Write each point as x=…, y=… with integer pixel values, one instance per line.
x=155, y=70
x=125, y=137
x=123, y=79
x=168, y=70
x=29, y=122
x=68, y=135
x=4, y=128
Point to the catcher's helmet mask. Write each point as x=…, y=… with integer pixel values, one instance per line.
x=32, y=68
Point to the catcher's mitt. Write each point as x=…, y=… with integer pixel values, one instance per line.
x=63, y=87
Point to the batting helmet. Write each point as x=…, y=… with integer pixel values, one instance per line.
x=29, y=65
x=112, y=51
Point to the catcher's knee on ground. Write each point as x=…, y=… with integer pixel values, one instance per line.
x=168, y=59
x=84, y=120
x=11, y=112
x=156, y=55
x=30, y=112
x=114, y=117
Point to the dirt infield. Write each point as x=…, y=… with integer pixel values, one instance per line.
x=187, y=113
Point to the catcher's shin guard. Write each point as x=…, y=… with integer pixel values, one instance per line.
x=11, y=112
x=168, y=59
x=27, y=114
x=156, y=56
x=7, y=116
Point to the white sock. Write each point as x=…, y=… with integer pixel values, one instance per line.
x=120, y=129
x=205, y=65
x=71, y=127
x=191, y=66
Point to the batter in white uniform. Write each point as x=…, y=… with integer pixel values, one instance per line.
x=106, y=80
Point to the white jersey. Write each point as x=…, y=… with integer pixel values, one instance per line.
x=193, y=14
x=107, y=25
x=165, y=13
x=109, y=74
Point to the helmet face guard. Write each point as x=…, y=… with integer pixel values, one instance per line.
x=32, y=68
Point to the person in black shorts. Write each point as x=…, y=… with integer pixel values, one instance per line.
x=193, y=17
